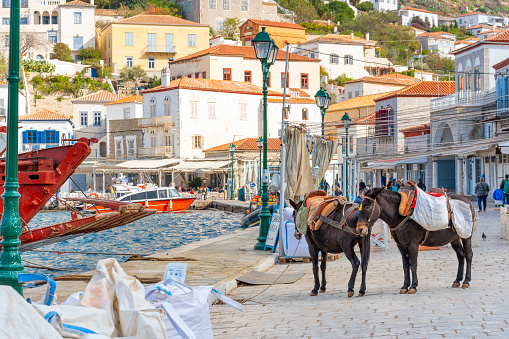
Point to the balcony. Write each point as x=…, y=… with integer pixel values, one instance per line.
x=156, y=151
x=33, y=147
x=164, y=121
x=464, y=98
x=163, y=49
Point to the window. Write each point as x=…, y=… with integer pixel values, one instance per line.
x=167, y=106
x=212, y=4
x=23, y=21
x=204, y=75
x=460, y=82
x=77, y=18
x=97, y=119
x=304, y=81
x=163, y=194
x=5, y=21
x=212, y=110
x=227, y=73
x=304, y=114
x=170, y=45
x=243, y=111
x=189, y=75
x=152, y=108
x=197, y=141
x=129, y=62
x=312, y=55
x=197, y=75
x=54, y=20
x=45, y=19
x=32, y=137
x=194, y=5
x=104, y=44
x=78, y=42
x=151, y=63
x=6, y=3
x=153, y=141
x=109, y=41
x=244, y=5
x=52, y=37
x=283, y=80
x=131, y=150
x=469, y=81
x=268, y=80
x=127, y=113
x=194, y=109
x=247, y=76
x=129, y=39
x=152, y=42
x=226, y=5
x=50, y=137
x=219, y=24
x=477, y=79
x=191, y=40
x=83, y=119
x=348, y=59
x=6, y=40
x=24, y=3
x=168, y=140
x=356, y=94
x=349, y=95
x=334, y=59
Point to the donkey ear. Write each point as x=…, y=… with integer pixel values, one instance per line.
x=293, y=204
x=374, y=192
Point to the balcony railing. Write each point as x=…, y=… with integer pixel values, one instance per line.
x=463, y=98
x=160, y=49
x=156, y=151
x=157, y=121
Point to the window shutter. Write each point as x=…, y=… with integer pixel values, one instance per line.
x=381, y=123
x=57, y=139
x=39, y=137
x=25, y=137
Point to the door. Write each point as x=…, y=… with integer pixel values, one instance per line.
x=446, y=174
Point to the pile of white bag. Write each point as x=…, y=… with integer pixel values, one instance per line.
x=115, y=305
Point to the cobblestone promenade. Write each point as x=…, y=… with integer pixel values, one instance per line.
x=436, y=311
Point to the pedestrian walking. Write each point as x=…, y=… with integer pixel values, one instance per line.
x=421, y=185
x=481, y=190
x=395, y=187
x=326, y=186
x=337, y=191
x=362, y=186
x=504, y=186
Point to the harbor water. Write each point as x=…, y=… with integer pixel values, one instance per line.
x=145, y=236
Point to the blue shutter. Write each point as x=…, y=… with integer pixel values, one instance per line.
x=503, y=88
x=57, y=139
x=37, y=137
x=25, y=137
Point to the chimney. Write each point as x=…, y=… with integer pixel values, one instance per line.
x=328, y=22
x=92, y=2
x=165, y=77
x=351, y=36
x=367, y=36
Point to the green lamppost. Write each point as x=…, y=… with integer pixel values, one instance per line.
x=231, y=148
x=259, y=142
x=266, y=51
x=346, y=121
x=10, y=229
x=322, y=99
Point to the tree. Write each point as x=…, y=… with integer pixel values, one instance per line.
x=336, y=11
x=231, y=28
x=90, y=55
x=304, y=10
x=161, y=7
x=104, y=73
x=127, y=12
x=365, y=6
x=316, y=29
x=155, y=81
x=340, y=80
x=436, y=63
x=4, y=67
x=131, y=4
x=61, y=52
x=29, y=41
x=134, y=75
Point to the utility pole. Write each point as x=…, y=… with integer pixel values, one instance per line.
x=422, y=78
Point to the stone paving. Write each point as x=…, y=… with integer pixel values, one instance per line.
x=436, y=311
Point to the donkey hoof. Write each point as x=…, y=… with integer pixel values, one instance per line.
x=322, y=291
x=455, y=284
x=403, y=291
x=362, y=294
x=350, y=294
x=465, y=286
x=412, y=291
x=313, y=294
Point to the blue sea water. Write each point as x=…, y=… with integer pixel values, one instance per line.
x=145, y=236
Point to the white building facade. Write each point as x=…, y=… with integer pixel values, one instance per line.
x=385, y=5
x=44, y=129
x=408, y=13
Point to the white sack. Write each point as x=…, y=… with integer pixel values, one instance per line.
x=291, y=245
x=288, y=214
x=461, y=218
x=430, y=212
x=19, y=319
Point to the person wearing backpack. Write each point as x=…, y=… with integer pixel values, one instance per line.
x=504, y=186
x=481, y=190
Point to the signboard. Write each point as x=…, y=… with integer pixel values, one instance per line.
x=265, y=176
x=252, y=185
x=272, y=234
x=176, y=271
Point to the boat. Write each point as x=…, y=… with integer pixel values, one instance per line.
x=162, y=199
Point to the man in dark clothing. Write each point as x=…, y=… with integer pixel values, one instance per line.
x=362, y=185
x=326, y=186
x=481, y=190
x=359, y=198
x=421, y=185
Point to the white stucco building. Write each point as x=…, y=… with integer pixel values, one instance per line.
x=44, y=129
x=477, y=18
x=408, y=13
x=45, y=23
x=4, y=95
x=385, y=5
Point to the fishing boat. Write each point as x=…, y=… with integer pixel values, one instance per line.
x=161, y=199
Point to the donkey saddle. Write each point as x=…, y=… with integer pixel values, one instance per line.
x=321, y=205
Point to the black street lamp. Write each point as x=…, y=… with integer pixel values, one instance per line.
x=231, y=148
x=259, y=142
x=346, y=121
x=266, y=51
x=322, y=99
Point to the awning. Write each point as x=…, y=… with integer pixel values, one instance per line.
x=504, y=147
x=412, y=160
x=389, y=164
x=200, y=166
x=148, y=163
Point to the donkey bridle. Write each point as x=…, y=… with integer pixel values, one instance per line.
x=373, y=211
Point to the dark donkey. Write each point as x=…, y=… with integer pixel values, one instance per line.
x=382, y=203
x=329, y=239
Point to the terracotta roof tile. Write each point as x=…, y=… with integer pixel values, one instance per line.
x=420, y=128
x=501, y=64
x=100, y=96
x=132, y=98
x=471, y=13
x=268, y=23
x=435, y=34
x=43, y=114
x=199, y=84
x=417, y=10
x=294, y=100
x=301, y=93
x=398, y=76
x=247, y=52
x=383, y=80
x=423, y=89
x=362, y=101
x=340, y=38
x=248, y=144
x=367, y=120
x=77, y=3
x=478, y=26
x=152, y=19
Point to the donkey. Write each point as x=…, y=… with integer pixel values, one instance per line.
x=330, y=239
x=382, y=203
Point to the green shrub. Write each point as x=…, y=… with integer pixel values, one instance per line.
x=365, y=6
x=41, y=66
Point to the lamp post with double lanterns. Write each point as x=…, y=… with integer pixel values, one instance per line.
x=231, y=148
x=322, y=99
x=266, y=51
x=346, y=121
x=259, y=142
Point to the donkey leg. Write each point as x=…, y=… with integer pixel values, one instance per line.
x=406, y=269
x=350, y=255
x=313, y=252
x=364, y=245
x=458, y=248
x=413, y=252
x=323, y=268
x=469, y=254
